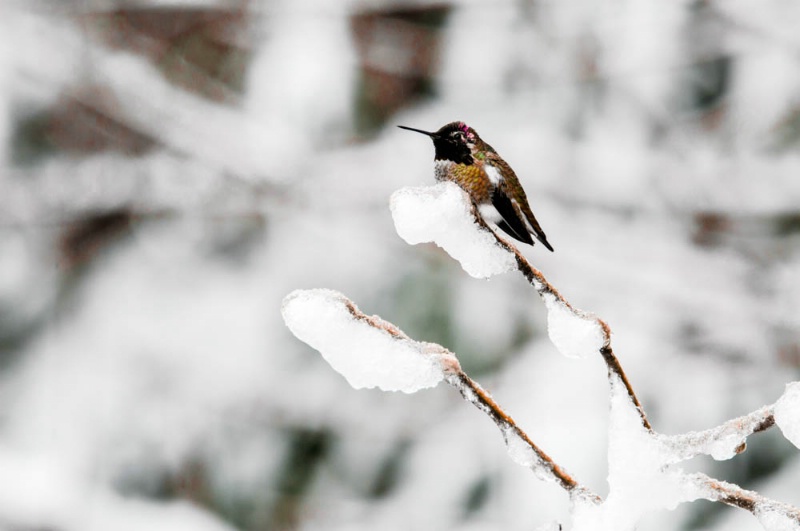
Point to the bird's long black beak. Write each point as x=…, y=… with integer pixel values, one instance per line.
x=432, y=135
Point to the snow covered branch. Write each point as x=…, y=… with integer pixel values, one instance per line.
x=444, y=214
x=564, y=320
x=643, y=474
x=772, y=515
x=724, y=441
x=520, y=447
x=370, y=352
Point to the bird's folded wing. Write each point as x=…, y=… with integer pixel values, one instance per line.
x=512, y=223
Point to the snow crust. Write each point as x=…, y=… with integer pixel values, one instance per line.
x=519, y=451
x=776, y=520
x=643, y=476
x=574, y=335
x=442, y=214
x=638, y=475
x=368, y=352
x=787, y=413
x=724, y=446
x=722, y=442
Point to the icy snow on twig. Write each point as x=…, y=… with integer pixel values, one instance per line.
x=639, y=476
x=366, y=350
x=519, y=450
x=776, y=520
x=722, y=442
x=643, y=472
x=442, y=214
x=520, y=447
x=371, y=352
x=643, y=477
x=575, y=334
x=787, y=413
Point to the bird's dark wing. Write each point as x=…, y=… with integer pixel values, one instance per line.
x=511, y=224
x=537, y=229
x=542, y=238
x=503, y=225
x=520, y=205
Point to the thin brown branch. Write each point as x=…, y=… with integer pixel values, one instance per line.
x=543, y=287
x=735, y=496
x=376, y=322
x=723, y=439
x=726, y=439
x=544, y=465
x=767, y=423
x=614, y=367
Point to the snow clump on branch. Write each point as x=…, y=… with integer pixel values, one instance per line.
x=574, y=334
x=368, y=351
x=442, y=214
x=787, y=413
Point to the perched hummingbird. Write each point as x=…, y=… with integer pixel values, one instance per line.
x=462, y=157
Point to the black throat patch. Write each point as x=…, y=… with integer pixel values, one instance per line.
x=447, y=149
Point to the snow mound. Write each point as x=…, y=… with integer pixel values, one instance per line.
x=442, y=214
x=366, y=350
x=574, y=335
x=787, y=413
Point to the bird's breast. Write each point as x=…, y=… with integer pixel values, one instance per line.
x=471, y=178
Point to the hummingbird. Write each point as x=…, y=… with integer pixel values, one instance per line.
x=464, y=158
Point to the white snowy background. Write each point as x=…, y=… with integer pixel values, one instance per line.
x=147, y=380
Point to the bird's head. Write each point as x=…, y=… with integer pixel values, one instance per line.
x=456, y=142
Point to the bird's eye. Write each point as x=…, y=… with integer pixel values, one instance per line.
x=457, y=134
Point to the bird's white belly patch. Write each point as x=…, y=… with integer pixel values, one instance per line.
x=492, y=173
x=440, y=169
x=489, y=213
